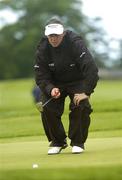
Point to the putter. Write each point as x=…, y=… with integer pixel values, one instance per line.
x=40, y=106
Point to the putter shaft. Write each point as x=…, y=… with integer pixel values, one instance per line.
x=40, y=106
x=47, y=102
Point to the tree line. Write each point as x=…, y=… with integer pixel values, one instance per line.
x=18, y=41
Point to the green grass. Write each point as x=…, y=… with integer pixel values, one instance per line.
x=22, y=140
x=34, y=152
x=30, y=125
x=89, y=173
x=102, y=160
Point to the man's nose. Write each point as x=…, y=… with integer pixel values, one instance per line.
x=53, y=38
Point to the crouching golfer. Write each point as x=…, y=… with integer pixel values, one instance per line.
x=64, y=67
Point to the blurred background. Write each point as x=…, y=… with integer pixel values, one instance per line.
x=22, y=25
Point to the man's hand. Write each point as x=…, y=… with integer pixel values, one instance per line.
x=79, y=97
x=55, y=93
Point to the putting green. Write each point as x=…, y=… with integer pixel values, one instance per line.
x=102, y=160
x=99, y=151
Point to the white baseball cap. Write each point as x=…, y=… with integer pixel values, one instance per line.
x=54, y=29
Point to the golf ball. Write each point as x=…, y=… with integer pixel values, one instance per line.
x=35, y=166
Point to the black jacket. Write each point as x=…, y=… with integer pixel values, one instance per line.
x=68, y=63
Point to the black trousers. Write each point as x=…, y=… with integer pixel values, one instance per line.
x=79, y=119
x=46, y=126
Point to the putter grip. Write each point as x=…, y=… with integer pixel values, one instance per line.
x=39, y=106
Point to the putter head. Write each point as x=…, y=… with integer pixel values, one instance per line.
x=39, y=106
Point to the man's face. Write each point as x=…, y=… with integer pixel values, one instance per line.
x=55, y=40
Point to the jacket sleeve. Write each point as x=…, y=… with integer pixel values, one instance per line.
x=42, y=73
x=87, y=65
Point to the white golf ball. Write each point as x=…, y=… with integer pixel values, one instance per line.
x=35, y=166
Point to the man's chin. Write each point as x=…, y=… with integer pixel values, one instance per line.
x=55, y=45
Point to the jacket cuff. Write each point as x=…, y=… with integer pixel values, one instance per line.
x=87, y=90
x=48, y=88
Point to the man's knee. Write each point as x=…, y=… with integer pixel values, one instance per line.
x=84, y=106
x=53, y=108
